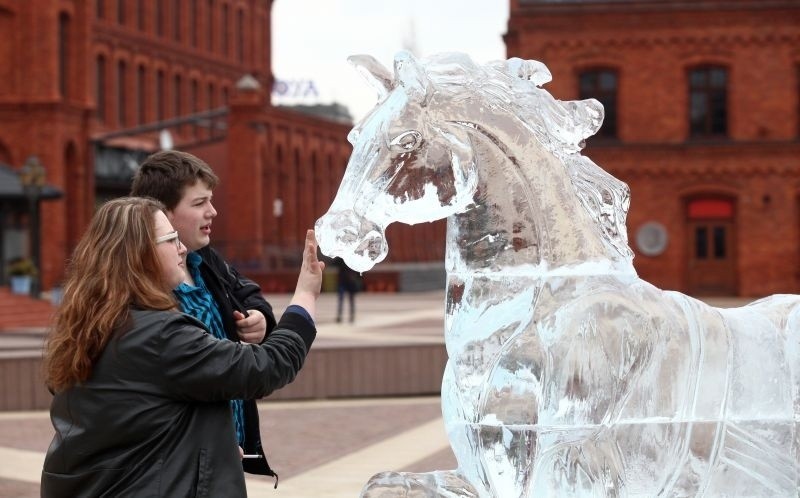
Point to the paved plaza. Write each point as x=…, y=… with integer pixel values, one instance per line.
x=320, y=448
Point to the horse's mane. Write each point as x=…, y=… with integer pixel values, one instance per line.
x=560, y=126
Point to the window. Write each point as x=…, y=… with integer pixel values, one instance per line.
x=225, y=25
x=100, y=87
x=240, y=36
x=159, y=96
x=193, y=22
x=100, y=9
x=211, y=100
x=140, y=15
x=210, y=26
x=176, y=96
x=63, y=54
x=195, y=92
x=141, y=74
x=159, y=21
x=176, y=20
x=601, y=84
x=708, y=101
x=195, y=96
x=122, y=77
x=121, y=11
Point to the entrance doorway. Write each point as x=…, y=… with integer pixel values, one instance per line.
x=712, y=248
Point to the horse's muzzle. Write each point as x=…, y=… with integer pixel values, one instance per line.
x=357, y=240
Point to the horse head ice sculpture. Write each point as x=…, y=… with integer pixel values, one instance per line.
x=567, y=375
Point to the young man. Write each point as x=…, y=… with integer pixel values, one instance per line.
x=230, y=305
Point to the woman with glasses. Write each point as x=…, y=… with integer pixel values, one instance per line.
x=141, y=391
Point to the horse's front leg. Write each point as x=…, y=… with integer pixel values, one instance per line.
x=444, y=483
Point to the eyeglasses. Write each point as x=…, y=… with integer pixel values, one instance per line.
x=172, y=236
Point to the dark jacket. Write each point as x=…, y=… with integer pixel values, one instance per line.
x=154, y=420
x=232, y=292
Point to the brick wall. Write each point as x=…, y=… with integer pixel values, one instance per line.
x=652, y=45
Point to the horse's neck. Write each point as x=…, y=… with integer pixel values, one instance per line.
x=526, y=216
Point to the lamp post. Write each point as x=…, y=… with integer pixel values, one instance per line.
x=32, y=176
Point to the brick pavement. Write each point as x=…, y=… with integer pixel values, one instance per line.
x=319, y=448
x=324, y=448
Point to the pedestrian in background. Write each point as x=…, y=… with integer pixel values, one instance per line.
x=348, y=282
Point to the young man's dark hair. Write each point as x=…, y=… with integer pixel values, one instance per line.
x=164, y=176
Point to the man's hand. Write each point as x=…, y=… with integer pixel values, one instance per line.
x=252, y=328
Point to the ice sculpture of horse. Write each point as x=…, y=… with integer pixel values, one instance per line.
x=567, y=374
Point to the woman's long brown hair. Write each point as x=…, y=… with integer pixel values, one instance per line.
x=114, y=267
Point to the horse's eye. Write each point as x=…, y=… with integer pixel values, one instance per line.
x=406, y=141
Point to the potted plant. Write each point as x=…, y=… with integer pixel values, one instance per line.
x=22, y=271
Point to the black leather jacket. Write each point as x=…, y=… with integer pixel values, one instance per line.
x=154, y=418
x=232, y=292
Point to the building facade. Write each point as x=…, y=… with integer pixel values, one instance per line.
x=702, y=101
x=77, y=70
x=93, y=87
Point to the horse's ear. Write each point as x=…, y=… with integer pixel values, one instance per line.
x=374, y=72
x=411, y=76
x=531, y=70
x=588, y=114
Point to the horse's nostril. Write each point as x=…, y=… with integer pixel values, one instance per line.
x=352, y=237
x=372, y=245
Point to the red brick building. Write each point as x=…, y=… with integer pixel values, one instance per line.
x=88, y=86
x=702, y=122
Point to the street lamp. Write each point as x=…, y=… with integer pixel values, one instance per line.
x=32, y=177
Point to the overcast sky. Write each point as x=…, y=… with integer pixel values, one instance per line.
x=311, y=40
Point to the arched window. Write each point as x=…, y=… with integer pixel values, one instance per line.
x=601, y=84
x=5, y=154
x=708, y=101
x=193, y=22
x=195, y=104
x=176, y=96
x=240, y=36
x=122, y=97
x=140, y=15
x=211, y=98
x=159, y=17
x=159, y=96
x=141, y=75
x=64, y=30
x=210, y=32
x=176, y=20
x=100, y=87
x=75, y=191
x=195, y=96
x=225, y=35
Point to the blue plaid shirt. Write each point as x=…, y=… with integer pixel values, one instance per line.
x=198, y=302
